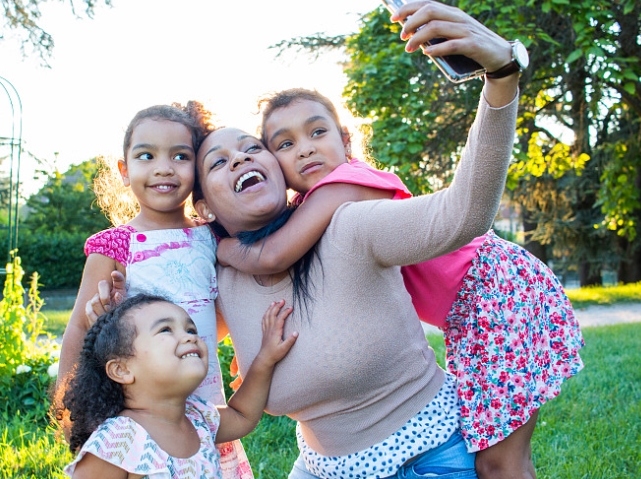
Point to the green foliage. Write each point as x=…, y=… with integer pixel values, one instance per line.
x=577, y=165
x=66, y=203
x=26, y=359
x=58, y=257
x=29, y=452
x=61, y=216
x=225, y=355
x=592, y=429
x=418, y=128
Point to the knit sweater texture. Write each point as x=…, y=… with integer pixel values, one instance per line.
x=361, y=367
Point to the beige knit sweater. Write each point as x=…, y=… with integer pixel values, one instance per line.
x=361, y=367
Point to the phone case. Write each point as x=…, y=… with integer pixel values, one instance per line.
x=456, y=68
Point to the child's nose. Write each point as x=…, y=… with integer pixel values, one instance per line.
x=164, y=167
x=306, y=150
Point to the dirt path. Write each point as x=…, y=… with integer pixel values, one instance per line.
x=604, y=315
x=593, y=316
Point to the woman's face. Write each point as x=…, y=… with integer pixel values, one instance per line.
x=243, y=186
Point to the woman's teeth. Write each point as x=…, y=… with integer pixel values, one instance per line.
x=257, y=178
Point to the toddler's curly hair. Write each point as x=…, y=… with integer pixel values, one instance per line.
x=91, y=396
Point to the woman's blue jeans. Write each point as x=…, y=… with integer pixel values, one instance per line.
x=448, y=461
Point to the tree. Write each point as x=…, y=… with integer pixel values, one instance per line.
x=583, y=80
x=23, y=18
x=66, y=203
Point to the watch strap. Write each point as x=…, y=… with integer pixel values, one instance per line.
x=504, y=71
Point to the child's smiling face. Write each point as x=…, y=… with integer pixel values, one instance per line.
x=168, y=353
x=307, y=143
x=160, y=166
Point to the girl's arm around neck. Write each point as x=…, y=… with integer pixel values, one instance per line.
x=245, y=408
x=91, y=467
x=303, y=230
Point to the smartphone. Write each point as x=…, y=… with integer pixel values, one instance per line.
x=456, y=68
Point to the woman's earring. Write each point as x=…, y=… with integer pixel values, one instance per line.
x=210, y=216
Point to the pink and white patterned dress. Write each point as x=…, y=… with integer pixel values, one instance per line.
x=178, y=264
x=123, y=442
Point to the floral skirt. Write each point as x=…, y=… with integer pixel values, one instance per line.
x=511, y=338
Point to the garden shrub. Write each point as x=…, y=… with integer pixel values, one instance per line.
x=28, y=358
x=58, y=257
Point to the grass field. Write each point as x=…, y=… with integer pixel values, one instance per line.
x=591, y=431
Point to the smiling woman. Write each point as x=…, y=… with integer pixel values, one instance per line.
x=361, y=381
x=225, y=157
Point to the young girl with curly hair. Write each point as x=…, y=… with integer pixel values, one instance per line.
x=131, y=398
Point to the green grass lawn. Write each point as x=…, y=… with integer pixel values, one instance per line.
x=591, y=431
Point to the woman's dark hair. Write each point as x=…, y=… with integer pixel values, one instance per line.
x=302, y=285
x=91, y=396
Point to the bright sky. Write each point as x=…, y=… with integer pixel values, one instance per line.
x=144, y=52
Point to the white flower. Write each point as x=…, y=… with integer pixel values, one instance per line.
x=52, y=370
x=23, y=369
x=55, y=354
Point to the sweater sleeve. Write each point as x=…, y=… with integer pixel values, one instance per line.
x=424, y=227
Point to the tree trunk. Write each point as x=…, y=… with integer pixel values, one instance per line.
x=588, y=277
x=630, y=266
x=534, y=247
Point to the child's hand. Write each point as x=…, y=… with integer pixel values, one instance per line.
x=109, y=296
x=274, y=347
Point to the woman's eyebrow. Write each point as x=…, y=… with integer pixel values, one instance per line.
x=211, y=150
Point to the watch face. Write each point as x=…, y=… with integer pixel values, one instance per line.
x=520, y=55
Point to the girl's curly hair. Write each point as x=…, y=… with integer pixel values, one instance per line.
x=91, y=396
x=113, y=198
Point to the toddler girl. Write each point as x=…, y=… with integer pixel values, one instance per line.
x=510, y=331
x=131, y=397
x=158, y=246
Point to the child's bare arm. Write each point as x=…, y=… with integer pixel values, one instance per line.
x=303, y=230
x=97, y=268
x=245, y=408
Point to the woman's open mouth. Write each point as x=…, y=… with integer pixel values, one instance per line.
x=250, y=178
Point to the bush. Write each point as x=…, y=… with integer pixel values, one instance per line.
x=28, y=358
x=58, y=257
